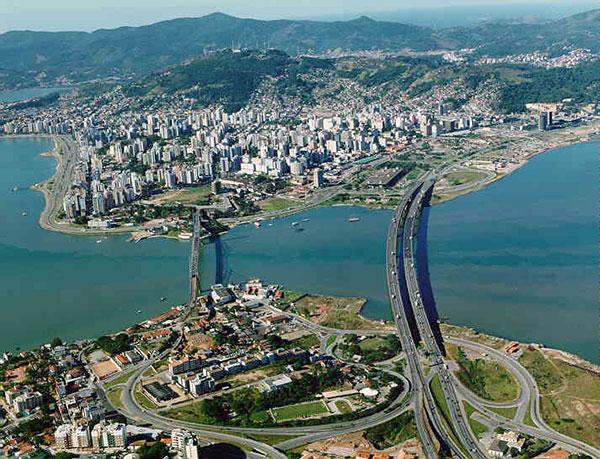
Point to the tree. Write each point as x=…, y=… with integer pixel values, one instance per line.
x=157, y=450
x=65, y=455
x=56, y=342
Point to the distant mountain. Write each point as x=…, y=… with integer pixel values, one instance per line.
x=26, y=57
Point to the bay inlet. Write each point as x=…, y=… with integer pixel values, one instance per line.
x=516, y=259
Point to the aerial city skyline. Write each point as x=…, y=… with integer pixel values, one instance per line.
x=240, y=233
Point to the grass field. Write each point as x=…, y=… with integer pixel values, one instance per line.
x=193, y=195
x=499, y=385
x=509, y=412
x=306, y=341
x=478, y=428
x=301, y=410
x=288, y=298
x=371, y=344
x=120, y=380
x=545, y=374
x=462, y=178
x=574, y=408
x=115, y=398
x=144, y=401
x=336, y=312
x=527, y=420
x=188, y=413
x=442, y=404
x=276, y=204
x=343, y=406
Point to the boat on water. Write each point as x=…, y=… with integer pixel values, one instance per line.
x=270, y=224
x=295, y=223
x=139, y=311
x=354, y=219
x=99, y=241
x=24, y=214
x=164, y=298
x=306, y=219
x=15, y=189
x=257, y=224
x=299, y=229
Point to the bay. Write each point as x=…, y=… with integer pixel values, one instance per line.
x=517, y=259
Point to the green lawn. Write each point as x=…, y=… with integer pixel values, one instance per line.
x=545, y=374
x=300, y=410
x=271, y=439
x=306, y=342
x=372, y=344
x=508, y=413
x=488, y=379
x=115, y=398
x=276, y=204
x=120, y=380
x=192, y=195
x=461, y=178
x=343, y=406
x=188, y=413
x=527, y=420
x=288, y=297
x=144, y=401
x=478, y=428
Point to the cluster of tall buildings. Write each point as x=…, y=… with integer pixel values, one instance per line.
x=23, y=399
x=102, y=435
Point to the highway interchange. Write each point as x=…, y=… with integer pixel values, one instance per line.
x=412, y=326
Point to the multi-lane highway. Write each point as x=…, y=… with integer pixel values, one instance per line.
x=458, y=421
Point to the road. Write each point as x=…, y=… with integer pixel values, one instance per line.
x=458, y=421
x=531, y=396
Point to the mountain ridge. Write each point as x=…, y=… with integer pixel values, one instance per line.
x=80, y=56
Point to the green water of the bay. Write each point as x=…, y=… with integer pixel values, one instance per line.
x=54, y=284
x=28, y=93
x=518, y=259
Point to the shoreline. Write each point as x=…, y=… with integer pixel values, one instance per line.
x=526, y=159
x=47, y=213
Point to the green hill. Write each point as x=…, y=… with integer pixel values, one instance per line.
x=140, y=50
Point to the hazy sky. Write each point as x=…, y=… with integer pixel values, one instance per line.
x=90, y=15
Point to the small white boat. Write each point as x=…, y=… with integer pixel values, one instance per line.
x=306, y=219
x=139, y=311
x=295, y=223
x=354, y=219
x=257, y=224
x=163, y=298
x=99, y=241
x=15, y=189
x=24, y=214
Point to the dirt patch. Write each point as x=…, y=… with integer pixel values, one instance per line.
x=338, y=312
x=18, y=375
x=105, y=369
x=352, y=443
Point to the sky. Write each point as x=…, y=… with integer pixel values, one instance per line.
x=90, y=15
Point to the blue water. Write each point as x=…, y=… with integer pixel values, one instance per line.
x=517, y=259
x=520, y=258
x=29, y=93
x=53, y=284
